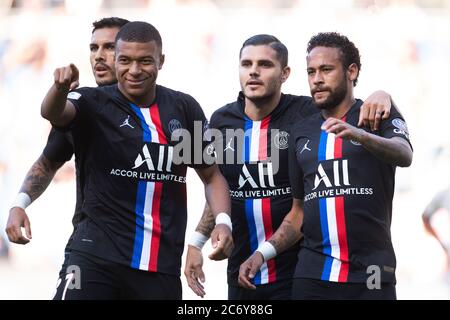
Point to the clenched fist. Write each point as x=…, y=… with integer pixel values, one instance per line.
x=66, y=78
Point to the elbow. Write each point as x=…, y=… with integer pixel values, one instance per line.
x=44, y=113
x=405, y=156
x=405, y=162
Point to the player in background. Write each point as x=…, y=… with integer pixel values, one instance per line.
x=130, y=241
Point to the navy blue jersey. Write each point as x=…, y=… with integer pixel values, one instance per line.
x=347, y=194
x=59, y=147
x=255, y=167
x=134, y=189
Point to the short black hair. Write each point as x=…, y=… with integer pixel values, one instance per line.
x=139, y=31
x=273, y=42
x=110, y=22
x=349, y=53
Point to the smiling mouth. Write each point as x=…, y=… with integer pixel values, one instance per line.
x=135, y=81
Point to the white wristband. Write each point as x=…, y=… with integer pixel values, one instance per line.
x=22, y=201
x=198, y=240
x=223, y=218
x=267, y=250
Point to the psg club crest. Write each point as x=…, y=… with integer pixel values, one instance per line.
x=281, y=140
x=400, y=124
x=174, y=124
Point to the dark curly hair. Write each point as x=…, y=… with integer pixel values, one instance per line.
x=349, y=53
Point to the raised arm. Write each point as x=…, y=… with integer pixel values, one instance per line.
x=55, y=106
x=36, y=181
x=287, y=234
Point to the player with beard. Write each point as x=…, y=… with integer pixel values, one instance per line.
x=342, y=185
x=258, y=178
x=130, y=241
x=60, y=149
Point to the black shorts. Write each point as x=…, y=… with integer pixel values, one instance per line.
x=313, y=289
x=91, y=278
x=279, y=290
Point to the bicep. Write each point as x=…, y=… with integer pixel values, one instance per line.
x=69, y=112
x=67, y=116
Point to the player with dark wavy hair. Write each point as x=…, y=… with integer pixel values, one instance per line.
x=130, y=241
x=260, y=195
x=342, y=180
x=349, y=53
x=60, y=148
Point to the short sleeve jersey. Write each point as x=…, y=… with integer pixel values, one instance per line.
x=254, y=162
x=347, y=194
x=135, y=175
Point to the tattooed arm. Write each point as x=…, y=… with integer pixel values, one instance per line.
x=39, y=177
x=193, y=270
x=395, y=151
x=287, y=234
x=207, y=223
x=37, y=180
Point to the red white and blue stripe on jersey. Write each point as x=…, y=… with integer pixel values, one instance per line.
x=332, y=217
x=148, y=199
x=257, y=211
x=255, y=140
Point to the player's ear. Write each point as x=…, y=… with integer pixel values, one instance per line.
x=161, y=61
x=285, y=73
x=352, y=72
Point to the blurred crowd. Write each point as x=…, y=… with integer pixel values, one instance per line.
x=405, y=50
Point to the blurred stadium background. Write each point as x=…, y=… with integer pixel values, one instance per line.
x=405, y=49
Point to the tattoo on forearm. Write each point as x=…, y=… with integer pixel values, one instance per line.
x=207, y=223
x=286, y=235
x=39, y=177
x=391, y=151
